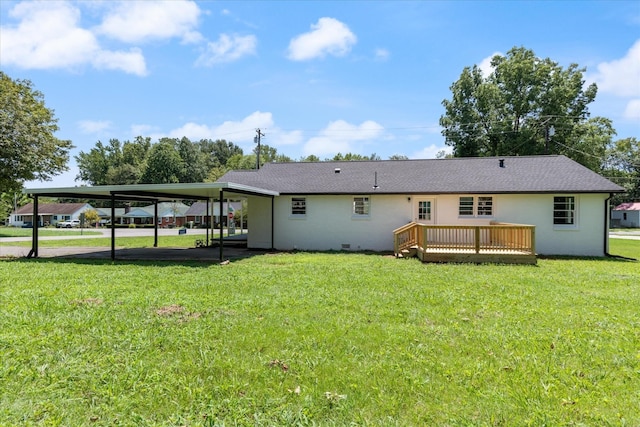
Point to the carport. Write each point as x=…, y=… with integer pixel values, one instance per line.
x=150, y=193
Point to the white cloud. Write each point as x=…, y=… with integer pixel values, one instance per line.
x=328, y=36
x=131, y=62
x=343, y=137
x=140, y=21
x=240, y=132
x=431, y=152
x=621, y=77
x=381, y=54
x=485, y=64
x=142, y=130
x=48, y=36
x=632, y=111
x=227, y=49
x=94, y=126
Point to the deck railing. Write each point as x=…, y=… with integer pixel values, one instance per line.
x=494, y=238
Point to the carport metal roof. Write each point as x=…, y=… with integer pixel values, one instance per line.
x=148, y=192
x=160, y=192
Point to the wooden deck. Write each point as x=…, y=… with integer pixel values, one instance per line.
x=495, y=243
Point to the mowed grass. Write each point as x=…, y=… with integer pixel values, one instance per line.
x=321, y=339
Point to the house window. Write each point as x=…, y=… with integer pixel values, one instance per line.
x=298, y=206
x=469, y=207
x=424, y=210
x=564, y=210
x=485, y=206
x=624, y=216
x=466, y=206
x=361, y=206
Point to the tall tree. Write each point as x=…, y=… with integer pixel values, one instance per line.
x=194, y=161
x=164, y=165
x=28, y=148
x=525, y=106
x=219, y=152
x=623, y=167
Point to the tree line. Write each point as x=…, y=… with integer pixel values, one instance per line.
x=175, y=160
x=523, y=105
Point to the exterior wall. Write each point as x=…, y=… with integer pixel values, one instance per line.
x=259, y=223
x=632, y=221
x=330, y=225
x=586, y=238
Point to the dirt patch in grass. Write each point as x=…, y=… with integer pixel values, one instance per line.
x=87, y=301
x=177, y=311
x=170, y=310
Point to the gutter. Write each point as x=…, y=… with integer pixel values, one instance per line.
x=606, y=225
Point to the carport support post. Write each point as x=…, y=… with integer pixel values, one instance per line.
x=34, y=222
x=113, y=227
x=206, y=221
x=221, y=229
x=155, y=222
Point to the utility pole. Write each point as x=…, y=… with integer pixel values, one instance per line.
x=256, y=140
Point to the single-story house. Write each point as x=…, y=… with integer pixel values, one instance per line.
x=197, y=213
x=170, y=214
x=48, y=213
x=626, y=215
x=105, y=215
x=358, y=205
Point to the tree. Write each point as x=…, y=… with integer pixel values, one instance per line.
x=10, y=202
x=310, y=158
x=164, y=165
x=623, y=167
x=398, y=157
x=91, y=216
x=219, y=152
x=28, y=148
x=351, y=157
x=525, y=106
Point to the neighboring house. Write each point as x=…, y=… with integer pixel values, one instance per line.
x=105, y=215
x=197, y=213
x=48, y=213
x=170, y=214
x=626, y=215
x=357, y=205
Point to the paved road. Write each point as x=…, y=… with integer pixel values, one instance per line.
x=106, y=232
x=202, y=254
x=632, y=235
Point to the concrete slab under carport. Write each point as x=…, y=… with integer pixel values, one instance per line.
x=205, y=255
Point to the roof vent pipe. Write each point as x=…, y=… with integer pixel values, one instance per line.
x=501, y=162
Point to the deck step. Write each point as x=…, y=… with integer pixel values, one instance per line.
x=409, y=252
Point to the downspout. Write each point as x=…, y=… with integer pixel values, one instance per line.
x=606, y=225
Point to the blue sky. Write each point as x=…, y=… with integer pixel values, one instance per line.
x=317, y=77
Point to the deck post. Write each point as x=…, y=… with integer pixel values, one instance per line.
x=477, y=233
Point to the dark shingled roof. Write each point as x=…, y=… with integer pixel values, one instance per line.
x=527, y=174
x=50, y=208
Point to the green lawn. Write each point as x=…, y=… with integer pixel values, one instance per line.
x=321, y=339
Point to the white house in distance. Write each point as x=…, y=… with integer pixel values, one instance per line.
x=48, y=213
x=626, y=215
x=357, y=205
